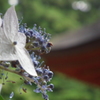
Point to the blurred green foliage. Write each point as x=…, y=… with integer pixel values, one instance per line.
x=56, y=16
x=1, y=98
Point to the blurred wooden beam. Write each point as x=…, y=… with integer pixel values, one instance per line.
x=78, y=60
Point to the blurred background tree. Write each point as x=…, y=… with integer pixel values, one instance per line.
x=56, y=16
x=59, y=15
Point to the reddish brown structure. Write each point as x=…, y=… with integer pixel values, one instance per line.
x=77, y=54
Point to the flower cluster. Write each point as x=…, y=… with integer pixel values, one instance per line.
x=37, y=38
x=37, y=43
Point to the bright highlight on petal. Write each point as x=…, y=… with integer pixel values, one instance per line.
x=12, y=43
x=13, y=2
x=0, y=21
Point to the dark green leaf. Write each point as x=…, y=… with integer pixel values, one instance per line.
x=1, y=98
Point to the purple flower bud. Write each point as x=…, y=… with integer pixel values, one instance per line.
x=50, y=74
x=51, y=86
x=11, y=95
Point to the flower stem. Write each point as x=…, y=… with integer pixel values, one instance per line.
x=9, y=70
x=18, y=73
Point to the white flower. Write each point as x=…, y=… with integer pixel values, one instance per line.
x=12, y=42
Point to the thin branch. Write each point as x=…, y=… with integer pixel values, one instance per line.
x=9, y=70
x=18, y=73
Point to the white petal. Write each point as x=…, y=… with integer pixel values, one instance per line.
x=20, y=39
x=25, y=60
x=3, y=38
x=7, y=50
x=10, y=23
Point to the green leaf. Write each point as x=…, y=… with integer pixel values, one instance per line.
x=1, y=98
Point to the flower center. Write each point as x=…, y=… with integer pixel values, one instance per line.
x=14, y=43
